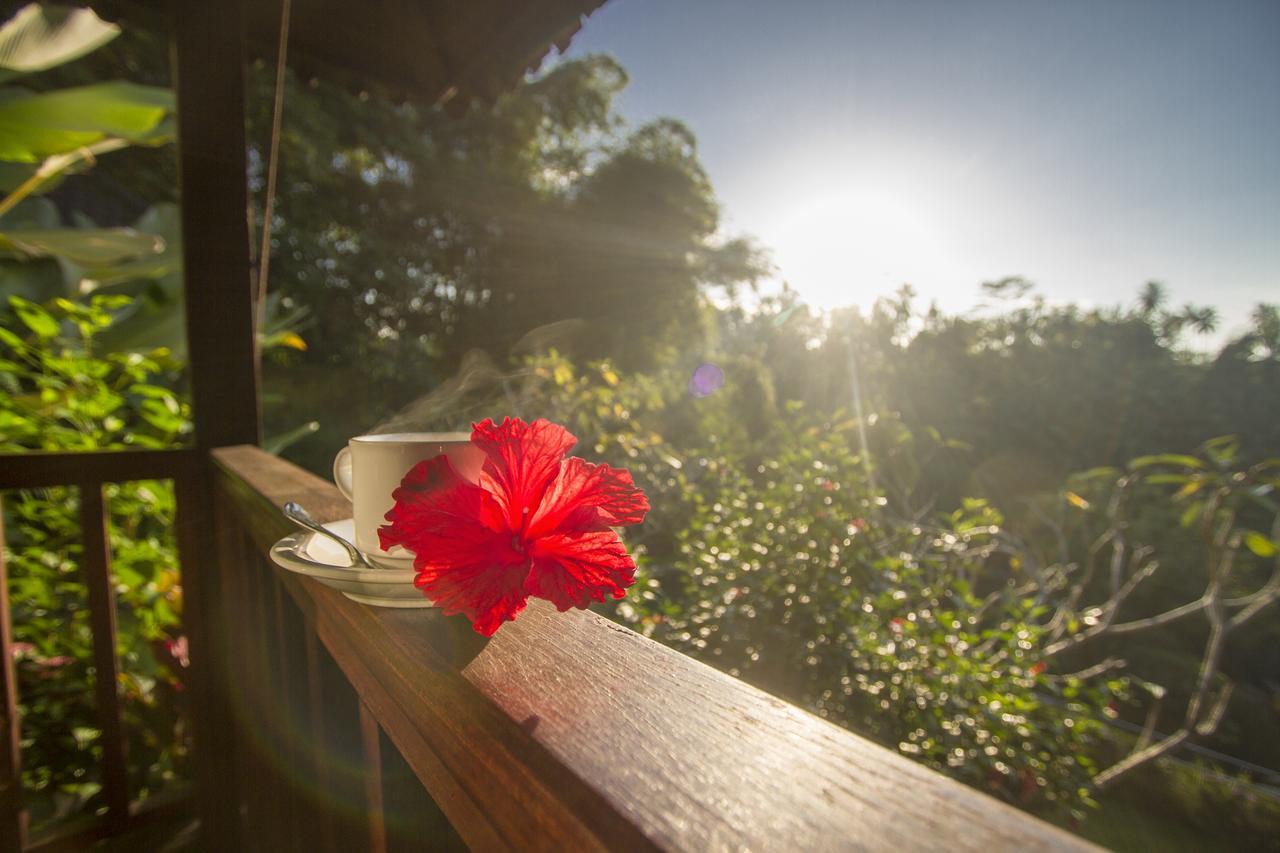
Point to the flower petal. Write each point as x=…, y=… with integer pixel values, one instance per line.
x=574, y=569
x=522, y=461
x=464, y=555
x=433, y=499
x=588, y=497
x=486, y=594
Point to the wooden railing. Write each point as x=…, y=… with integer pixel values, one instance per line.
x=89, y=472
x=563, y=732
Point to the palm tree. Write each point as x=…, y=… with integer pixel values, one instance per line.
x=1266, y=328
x=1151, y=298
x=1204, y=320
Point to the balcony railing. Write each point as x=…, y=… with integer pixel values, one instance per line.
x=89, y=472
x=565, y=731
x=324, y=724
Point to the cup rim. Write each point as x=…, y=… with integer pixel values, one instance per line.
x=408, y=438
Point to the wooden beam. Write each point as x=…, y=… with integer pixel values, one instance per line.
x=33, y=470
x=567, y=731
x=95, y=566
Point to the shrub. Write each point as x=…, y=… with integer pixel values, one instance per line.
x=57, y=394
x=774, y=558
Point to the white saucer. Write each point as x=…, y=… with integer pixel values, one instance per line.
x=321, y=558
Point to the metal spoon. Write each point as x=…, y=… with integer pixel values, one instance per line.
x=299, y=516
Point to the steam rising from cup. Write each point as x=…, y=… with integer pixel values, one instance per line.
x=481, y=389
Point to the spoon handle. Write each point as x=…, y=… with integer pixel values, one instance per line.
x=299, y=516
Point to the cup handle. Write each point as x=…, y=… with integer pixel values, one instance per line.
x=342, y=473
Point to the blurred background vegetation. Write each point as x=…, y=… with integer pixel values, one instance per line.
x=934, y=529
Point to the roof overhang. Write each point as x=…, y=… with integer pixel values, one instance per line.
x=448, y=52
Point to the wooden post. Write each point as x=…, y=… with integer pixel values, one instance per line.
x=13, y=820
x=96, y=566
x=319, y=737
x=209, y=63
x=213, y=726
x=373, y=779
x=209, y=72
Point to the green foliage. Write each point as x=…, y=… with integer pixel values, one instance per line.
x=35, y=126
x=539, y=222
x=62, y=389
x=42, y=36
x=1194, y=802
x=58, y=394
x=771, y=555
x=1036, y=390
x=861, y=580
x=773, y=558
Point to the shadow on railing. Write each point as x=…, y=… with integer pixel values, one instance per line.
x=565, y=731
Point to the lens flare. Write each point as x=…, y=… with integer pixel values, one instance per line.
x=707, y=379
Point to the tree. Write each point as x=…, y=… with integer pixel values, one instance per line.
x=540, y=213
x=1152, y=298
x=1240, y=571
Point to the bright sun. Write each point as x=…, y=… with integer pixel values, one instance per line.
x=850, y=247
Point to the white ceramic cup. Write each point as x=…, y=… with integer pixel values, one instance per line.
x=371, y=467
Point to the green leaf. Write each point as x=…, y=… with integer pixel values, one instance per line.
x=1077, y=501
x=284, y=338
x=1190, y=488
x=1259, y=544
x=9, y=338
x=1167, y=459
x=1223, y=449
x=34, y=317
x=36, y=126
x=1097, y=473
x=146, y=325
x=161, y=220
x=43, y=36
x=86, y=247
x=21, y=180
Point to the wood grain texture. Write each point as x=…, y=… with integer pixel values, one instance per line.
x=568, y=731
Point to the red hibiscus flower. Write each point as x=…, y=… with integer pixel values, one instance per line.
x=536, y=524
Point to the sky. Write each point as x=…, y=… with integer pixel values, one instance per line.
x=1088, y=146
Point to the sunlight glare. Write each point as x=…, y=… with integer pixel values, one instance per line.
x=852, y=246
